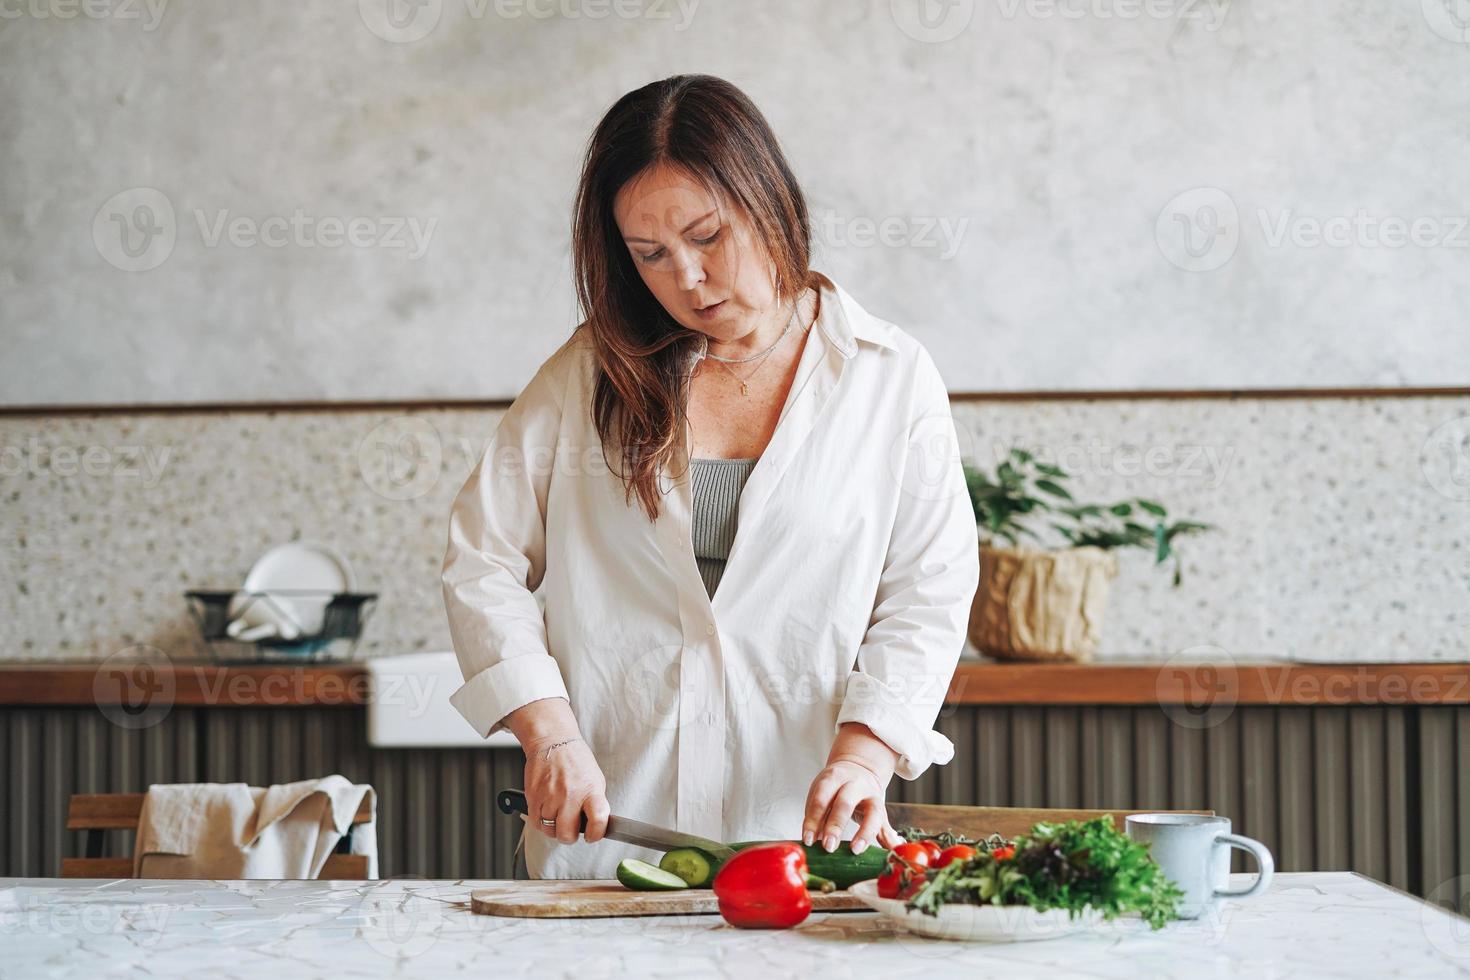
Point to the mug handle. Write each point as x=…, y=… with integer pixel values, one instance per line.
x=1267, y=866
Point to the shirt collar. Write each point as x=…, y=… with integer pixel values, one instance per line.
x=845, y=323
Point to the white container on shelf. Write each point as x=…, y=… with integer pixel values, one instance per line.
x=408, y=705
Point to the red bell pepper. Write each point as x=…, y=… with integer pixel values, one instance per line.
x=764, y=887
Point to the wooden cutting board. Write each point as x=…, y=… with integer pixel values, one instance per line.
x=587, y=898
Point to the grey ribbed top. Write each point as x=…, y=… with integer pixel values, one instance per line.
x=716, y=484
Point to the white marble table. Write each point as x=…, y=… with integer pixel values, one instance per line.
x=1308, y=925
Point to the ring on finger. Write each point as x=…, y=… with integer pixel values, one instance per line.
x=547, y=823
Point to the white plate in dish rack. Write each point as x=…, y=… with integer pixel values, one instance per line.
x=978, y=923
x=307, y=566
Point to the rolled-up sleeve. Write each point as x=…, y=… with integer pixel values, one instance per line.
x=931, y=571
x=496, y=558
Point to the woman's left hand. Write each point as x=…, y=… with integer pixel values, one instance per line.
x=852, y=786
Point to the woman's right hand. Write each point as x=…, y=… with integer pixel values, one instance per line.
x=563, y=785
x=562, y=782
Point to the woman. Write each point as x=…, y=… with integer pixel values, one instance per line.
x=652, y=661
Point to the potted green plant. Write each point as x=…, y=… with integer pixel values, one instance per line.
x=1047, y=603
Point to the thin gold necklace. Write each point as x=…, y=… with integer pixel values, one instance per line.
x=725, y=362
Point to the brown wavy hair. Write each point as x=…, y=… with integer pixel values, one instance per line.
x=712, y=132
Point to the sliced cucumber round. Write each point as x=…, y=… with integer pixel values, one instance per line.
x=696, y=868
x=644, y=877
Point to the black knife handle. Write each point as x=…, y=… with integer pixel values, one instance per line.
x=514, y=801
x=511, y=801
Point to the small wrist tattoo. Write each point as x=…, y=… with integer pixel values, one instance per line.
x=547, y=753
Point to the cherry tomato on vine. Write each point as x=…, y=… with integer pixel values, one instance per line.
x=914, y=854
x=891, y=884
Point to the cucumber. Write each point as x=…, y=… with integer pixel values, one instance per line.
x=696, y=868
x=843, y=867
x=644, y=877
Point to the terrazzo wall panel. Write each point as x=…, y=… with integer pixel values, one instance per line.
x=1343, y=524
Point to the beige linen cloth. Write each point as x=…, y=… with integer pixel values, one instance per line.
x=232, y=830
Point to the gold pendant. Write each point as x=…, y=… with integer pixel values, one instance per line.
x=744, y=390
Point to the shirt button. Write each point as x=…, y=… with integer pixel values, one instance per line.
x=710, y=630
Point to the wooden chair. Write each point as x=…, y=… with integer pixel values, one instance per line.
x=99, y=812
x=1008, y=821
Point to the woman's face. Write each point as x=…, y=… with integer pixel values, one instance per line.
x=694, y=252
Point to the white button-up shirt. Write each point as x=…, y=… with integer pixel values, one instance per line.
x=845, y=596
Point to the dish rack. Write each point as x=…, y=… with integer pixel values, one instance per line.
x=343, y=618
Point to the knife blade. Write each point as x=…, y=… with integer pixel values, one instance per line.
x=627, y=830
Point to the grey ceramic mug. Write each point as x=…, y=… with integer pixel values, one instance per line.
x=1194, y=851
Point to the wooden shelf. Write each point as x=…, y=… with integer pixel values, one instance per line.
x=974, y=683
x=1264, y=683
x=187, y=684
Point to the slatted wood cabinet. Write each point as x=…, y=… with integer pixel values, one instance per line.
x=1364, y=777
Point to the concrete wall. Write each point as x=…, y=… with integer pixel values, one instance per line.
x=212, y=201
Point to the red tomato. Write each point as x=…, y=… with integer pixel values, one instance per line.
x=1003, y=853
x=934, y=851
x=915, y=855
x=905, y=875
x=891, y=884
x=960, y=852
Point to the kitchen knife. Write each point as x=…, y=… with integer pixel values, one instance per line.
x=628, y=830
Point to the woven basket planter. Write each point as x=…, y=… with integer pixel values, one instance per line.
x=1041, y=605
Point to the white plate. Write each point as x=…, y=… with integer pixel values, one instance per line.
x=304, y=565
x=978, y=923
